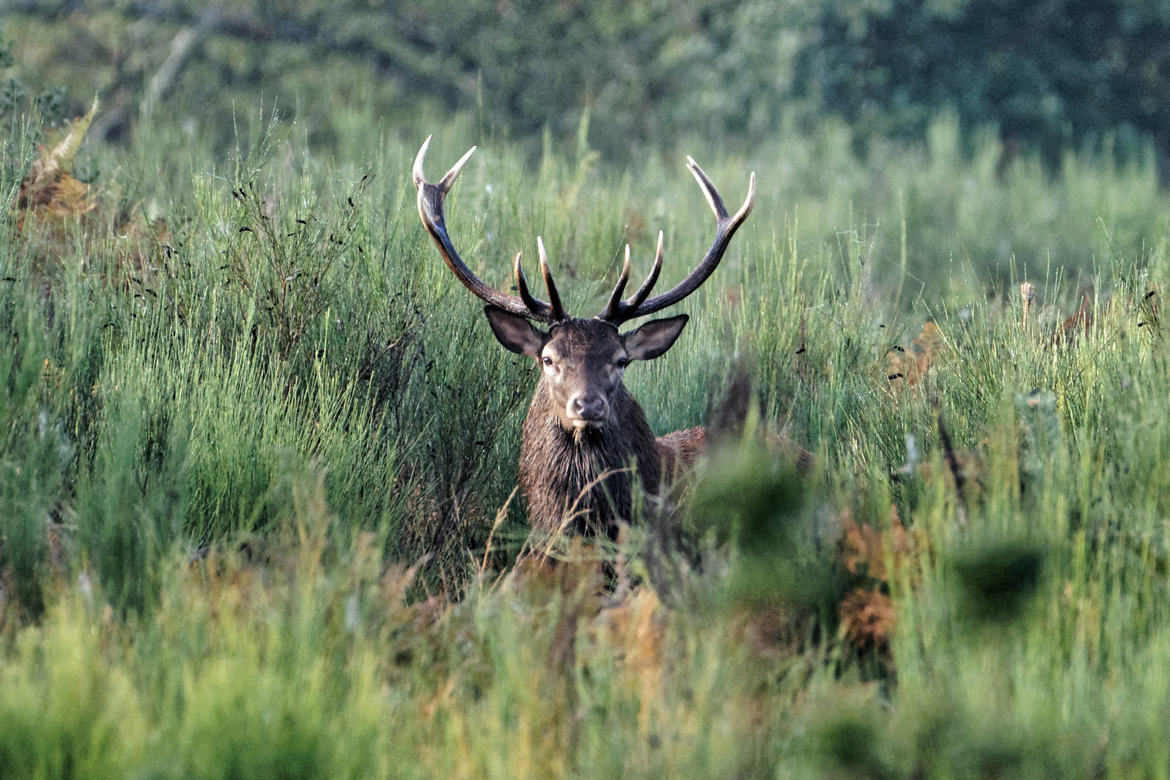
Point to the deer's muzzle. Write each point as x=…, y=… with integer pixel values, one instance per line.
x=587, y=410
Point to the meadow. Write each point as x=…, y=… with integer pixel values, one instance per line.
x=257, y=464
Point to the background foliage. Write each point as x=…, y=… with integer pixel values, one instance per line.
x=1045, y=74
x=257, y=447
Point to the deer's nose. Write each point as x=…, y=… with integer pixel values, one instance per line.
x=588, y=406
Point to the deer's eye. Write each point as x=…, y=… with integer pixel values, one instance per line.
x=547, y=360
x=621, y=362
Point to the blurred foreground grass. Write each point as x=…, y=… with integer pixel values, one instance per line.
x=255, y=442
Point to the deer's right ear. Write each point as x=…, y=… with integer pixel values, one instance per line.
x=515, y=332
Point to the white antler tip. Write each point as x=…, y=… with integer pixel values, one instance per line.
x=750, y=200
x=417, y=171
x=456, y=169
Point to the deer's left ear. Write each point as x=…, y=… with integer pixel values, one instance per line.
x=654, y=337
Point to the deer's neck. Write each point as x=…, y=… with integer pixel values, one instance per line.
x=586, y=473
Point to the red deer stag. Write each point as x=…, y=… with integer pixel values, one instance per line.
x=584, y=431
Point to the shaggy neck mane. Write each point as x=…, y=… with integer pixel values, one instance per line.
x=585, y=472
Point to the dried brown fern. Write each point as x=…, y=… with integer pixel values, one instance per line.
x=907, y=368
x=50, y=189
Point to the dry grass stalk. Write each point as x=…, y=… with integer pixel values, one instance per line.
x=1028, y=292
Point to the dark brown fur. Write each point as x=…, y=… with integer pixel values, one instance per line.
x=585, y=435
x=582, y=479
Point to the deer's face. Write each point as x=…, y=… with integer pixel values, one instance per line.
x=583, y=360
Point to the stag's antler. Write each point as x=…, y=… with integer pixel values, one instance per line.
x=430, y=208
x=618, y=311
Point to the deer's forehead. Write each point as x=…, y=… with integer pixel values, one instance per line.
x=584, y=339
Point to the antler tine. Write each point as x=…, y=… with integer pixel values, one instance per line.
x=709, y=190
x=417, y=172
x=449, y=178
x=640, y=294
x=453, y=174
x=530, y=301
x=430, y=210
x=615, y=298
x=725, y=227
x=554, y=298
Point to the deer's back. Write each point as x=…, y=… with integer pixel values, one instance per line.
x=679, y=450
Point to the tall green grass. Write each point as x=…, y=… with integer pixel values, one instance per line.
x=257, y=451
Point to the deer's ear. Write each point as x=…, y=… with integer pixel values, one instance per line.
x=654, y=337
x=514, y=332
